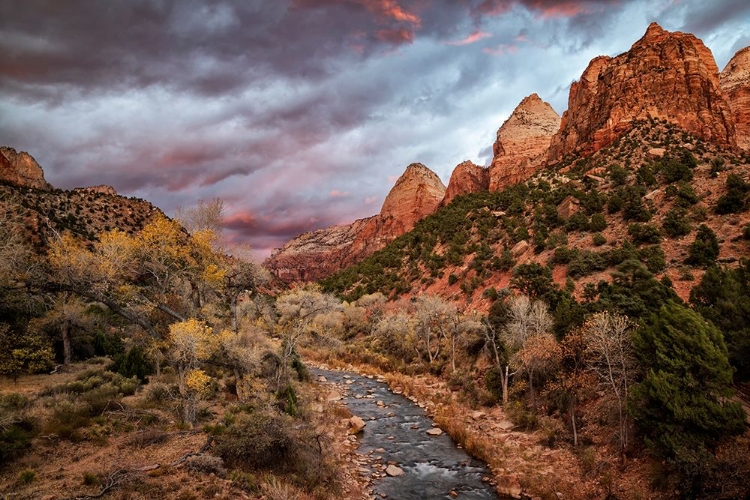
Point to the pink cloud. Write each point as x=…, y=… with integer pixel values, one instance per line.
x=395, y=36
x=474, y=37
x=501, y=50
x=338, y=194
x=370, y=200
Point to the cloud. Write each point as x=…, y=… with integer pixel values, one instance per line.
x=295, y=121
x=472, y=38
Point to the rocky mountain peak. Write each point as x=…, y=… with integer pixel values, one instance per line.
x=21, y=169
x=653, y=31
x=522, y=142
x=735, y=84
x=671, y=76
x=416, y=193
x=466, y=178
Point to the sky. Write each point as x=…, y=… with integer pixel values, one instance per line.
x=299, y=114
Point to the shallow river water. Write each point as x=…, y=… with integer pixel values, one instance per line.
x=434, y=467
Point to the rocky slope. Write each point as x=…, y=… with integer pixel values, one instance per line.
x=522, y=142
x=735, y=83
x=46, y=211
x=21, y=169
x=466, y=178
x=317, y=254
x=666, y=75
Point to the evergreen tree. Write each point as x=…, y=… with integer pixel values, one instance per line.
x=682, y=404
x=723, y=297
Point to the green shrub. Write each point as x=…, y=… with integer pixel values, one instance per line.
x=586, y=263
x=577, y=222
x=257, y=441
x=674, y=170
x=26, y=476
x=598, y=222
x=90, y=479
x=15, y=439
x=644, y=233
x=676, y=223
x=733, y=201
x=133, y=363
x=598, y=239
x=705, y=249
x=618, y=175
x=452, y=279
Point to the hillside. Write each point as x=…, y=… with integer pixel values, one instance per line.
x=669, y=78
x=44, y=211
x=644, y=196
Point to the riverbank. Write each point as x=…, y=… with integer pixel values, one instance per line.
x=402, y=454
x=522, y=463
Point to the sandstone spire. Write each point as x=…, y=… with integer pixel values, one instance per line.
x=735, y=84
x=522, y=142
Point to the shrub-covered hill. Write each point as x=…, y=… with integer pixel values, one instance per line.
x=658, y=195
x=86, y=213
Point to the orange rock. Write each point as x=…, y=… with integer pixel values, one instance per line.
x=522, y=142
x=317, y=254
x=21, y=169
x=666, y=75
x=735, y=83
x=466, y=178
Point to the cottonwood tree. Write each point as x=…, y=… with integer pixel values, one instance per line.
x=297, y=309
x=610, y=357
x=432, y=315
x=579, y=381
x=191, y=344
x=516, y=322
x=538, y=355
x=159, y=269
x=394, y=334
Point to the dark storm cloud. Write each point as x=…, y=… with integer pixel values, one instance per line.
x=301, y=113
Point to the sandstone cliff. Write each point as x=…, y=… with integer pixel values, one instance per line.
x=667, y=75
x=317, y=254
x=21, y=169
x=735, y=83
x=522, y=142
x=466, y=178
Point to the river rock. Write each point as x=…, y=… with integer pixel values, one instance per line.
x=435, y=431
x=477, y=415
x=509, y=486
x=322, y=379
x=356, y=424
x=394, y=471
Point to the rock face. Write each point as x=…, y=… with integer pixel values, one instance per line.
x=735, y=83
x=315, y=255
x=466, y=178
x=21, y=169
x=522, y=142
x=665, y=75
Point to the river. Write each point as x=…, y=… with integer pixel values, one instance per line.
x=396, y=433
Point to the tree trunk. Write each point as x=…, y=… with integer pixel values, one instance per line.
x=573, y=421
x=504, y=382
x=233, y=307
x=531, y=389
x=453, y=352
x=67, y=351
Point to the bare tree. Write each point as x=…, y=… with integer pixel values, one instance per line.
x=527, y=336
x=610, y=356
x=207, y=215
